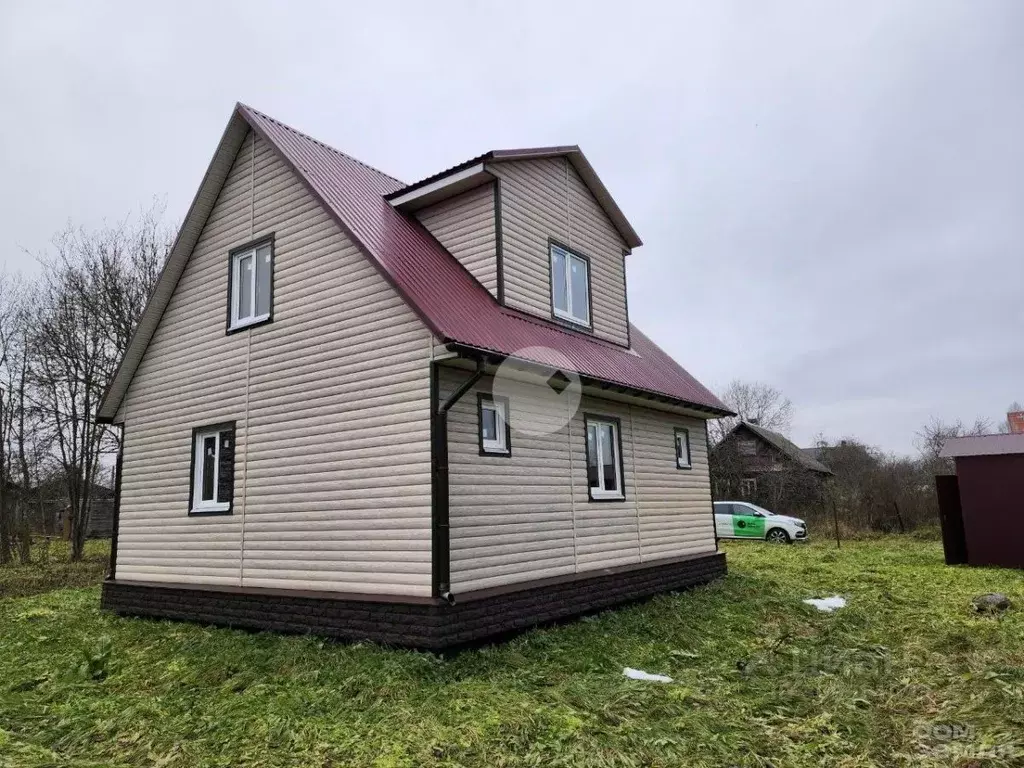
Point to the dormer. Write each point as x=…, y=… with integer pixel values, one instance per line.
x=538, y=229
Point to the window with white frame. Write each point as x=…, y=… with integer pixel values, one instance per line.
x=213, y=462
x=251, y=276
x=570, y=286
x=604, y=459
x=748, y=487
x=494, y=429
x=683, y=449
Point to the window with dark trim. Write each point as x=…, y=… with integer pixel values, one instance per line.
x=605, y=476
x=251, y=284
x=570, y=285
x=212, y=486
x=683, y=449
x=492, y=421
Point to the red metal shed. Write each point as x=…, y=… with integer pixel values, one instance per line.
x=990, y=479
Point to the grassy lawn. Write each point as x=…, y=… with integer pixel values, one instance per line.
x=52, y=568
x=906, y=675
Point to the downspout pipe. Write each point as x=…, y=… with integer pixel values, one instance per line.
x=115, y=521
x=439, y=451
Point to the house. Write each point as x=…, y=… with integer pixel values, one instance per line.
x=763, y=466
x=982, y=505
x=54, y=508
x=409, y=413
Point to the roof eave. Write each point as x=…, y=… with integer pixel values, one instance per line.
x=456, y=183
x=469, y=351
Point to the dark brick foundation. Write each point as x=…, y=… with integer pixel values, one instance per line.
x=431, y=625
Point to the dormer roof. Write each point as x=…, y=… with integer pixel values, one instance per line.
x=473, y=172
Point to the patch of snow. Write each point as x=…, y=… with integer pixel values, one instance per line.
x=639, y=674
x=827, y=604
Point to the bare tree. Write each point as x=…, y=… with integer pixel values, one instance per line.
x=754, y=402
x=70, y=369
x=91, y=298
x=118, y=268
x=933, y=436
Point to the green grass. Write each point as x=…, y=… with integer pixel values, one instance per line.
x=761, y=680
x=51, y=568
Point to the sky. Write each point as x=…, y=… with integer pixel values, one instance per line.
x=831, y=195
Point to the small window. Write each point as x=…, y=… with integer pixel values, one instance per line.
x=495, y=435
x=570, y=286
x=746, y=447
x=748, y=487
x=213, y=469
x=683, y=449
x=251, y=277
x=604, y=459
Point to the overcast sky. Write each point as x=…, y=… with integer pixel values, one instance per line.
x=831, y=195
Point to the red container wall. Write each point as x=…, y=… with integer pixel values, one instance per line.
x=992, y=496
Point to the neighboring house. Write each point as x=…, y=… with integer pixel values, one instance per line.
x=981, y=507
x=48, y=509
x=317, y=435
x=763, y=466
x=54, y=496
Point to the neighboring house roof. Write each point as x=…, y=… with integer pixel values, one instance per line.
x=801, y=456
x=450, y=301
x=983, y=445
x=814, y=453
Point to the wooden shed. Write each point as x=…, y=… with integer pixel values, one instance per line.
x=982, y=506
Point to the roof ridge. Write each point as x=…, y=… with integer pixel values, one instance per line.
x=317, y=141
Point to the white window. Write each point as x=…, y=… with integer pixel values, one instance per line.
x=683, y=448
x=213, y=457
x=494, y=432
x=570, y=286
x=747, y=447
x=748, y=487
x=251, y=274
x=604, y=462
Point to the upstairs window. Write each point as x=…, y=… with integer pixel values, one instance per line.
x=604, y=459
x=570, y=286
x=494, y=429
x=213, y=469
x=251, y=277
x=747, y=447
x=683, y=449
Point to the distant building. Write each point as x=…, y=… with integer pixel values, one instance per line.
x=765, y=467
x=55, y=507
x=1016, y=421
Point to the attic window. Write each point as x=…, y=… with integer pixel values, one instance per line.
x=570, y=286
x=250, y=284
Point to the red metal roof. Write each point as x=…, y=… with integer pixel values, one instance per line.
x=453, y=304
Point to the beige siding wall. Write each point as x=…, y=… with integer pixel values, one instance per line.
x=465, y=226
x=528, y=516
x=546, y=198
x=331, y=400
